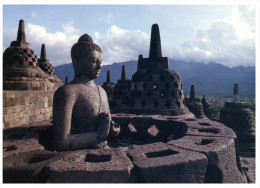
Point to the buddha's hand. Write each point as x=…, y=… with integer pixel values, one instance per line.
x=114, y=129
x=103, y=126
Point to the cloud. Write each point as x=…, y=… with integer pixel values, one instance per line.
x=120, y=45
x=57, y=44
x=230, y=41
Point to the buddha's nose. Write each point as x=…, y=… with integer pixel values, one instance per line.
x=98, y=66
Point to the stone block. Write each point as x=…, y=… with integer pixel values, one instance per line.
x=8, y=110
x=7, y=102
x=91, y=166
x=22, y=100
x=28, y=167
x=224, y=164
x=162, y=163
x=10, y=95
x=9, y=117
x=15, y=102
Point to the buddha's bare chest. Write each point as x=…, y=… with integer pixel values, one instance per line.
x=88, y=102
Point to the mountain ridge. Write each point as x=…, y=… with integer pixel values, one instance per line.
x=210, y=79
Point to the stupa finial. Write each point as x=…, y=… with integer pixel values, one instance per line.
x=236, y=97
x=21, y=32
x=192, y=92
x=108, y=76
x=43, y=52
x=123, y=75
x=155, y=43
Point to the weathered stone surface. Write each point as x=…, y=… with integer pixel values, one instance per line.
x=162, y=163
x=28, y=167
x=205, y=127
x=170, y=127
x=91, y=166
x=224, y=164
x=14, y=147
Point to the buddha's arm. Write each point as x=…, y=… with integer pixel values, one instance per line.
x=64, y=101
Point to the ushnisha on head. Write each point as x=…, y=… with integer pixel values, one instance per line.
x=86, y=57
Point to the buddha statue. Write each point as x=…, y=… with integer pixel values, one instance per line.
x=81, y=114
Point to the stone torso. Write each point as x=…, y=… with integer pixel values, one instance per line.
x=90, y=101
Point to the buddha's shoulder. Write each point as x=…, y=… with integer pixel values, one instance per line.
x=101, y=89
x=67, y=89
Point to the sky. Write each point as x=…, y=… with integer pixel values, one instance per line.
x=223, y=33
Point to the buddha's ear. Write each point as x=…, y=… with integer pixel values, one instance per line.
x=75, y=65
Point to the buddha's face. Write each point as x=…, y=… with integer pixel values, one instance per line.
x=89, y=65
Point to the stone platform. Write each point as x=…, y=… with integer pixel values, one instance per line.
x=149, y=149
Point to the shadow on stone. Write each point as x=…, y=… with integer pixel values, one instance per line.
x=213, y=174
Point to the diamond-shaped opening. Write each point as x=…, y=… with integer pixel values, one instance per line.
x=97, y=158
x=155, y=86
x=176, y=85
x=180, y=93
x=153, y=130
x=178, y=103
x=162, y=94
x=161, y=153
x=132, y=128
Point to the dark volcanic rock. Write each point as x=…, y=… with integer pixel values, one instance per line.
x=224, y=164
x=162, y=163
x=91, y=166
x=28, y=167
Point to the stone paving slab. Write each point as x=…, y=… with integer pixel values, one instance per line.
x=28, y=167
x=162, y=163
x=91, y=166
x=224, y=164
x=15, y=147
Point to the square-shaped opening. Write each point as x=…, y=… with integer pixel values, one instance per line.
x=97, y=158
x=39, y=158
x=161, y=153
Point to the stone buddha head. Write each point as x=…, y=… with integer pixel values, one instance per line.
x=86, y=57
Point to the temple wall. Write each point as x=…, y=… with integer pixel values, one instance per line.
x=23, y=107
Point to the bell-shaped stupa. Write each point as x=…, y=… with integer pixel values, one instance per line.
x=156, y=89
x=21, y=70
